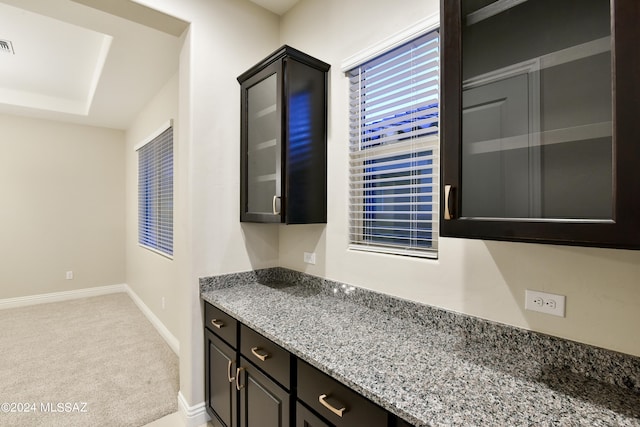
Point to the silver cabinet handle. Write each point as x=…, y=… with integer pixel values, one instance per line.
x=260, y=354
x=238, y=372
x=447, y=207
x=322, y=399
x=229, y=377
x=217, y=323
x=273, y=205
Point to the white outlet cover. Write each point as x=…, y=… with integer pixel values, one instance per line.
x=531, y=296
x=310, y=257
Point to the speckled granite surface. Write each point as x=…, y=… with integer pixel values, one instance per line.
x=430, y=366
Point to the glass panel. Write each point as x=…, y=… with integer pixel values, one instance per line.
x=263, y=145
x=537, y=114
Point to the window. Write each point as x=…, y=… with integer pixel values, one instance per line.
x=394, y=150
x=155, y=193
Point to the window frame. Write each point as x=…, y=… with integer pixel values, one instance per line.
x=426, y=143
x=160, y=192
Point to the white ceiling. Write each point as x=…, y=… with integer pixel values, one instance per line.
x=78, y=64
x=276, y=6
x=94, y=62
x=69, y=58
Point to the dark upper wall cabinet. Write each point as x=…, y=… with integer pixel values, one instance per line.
x=540, y=128
x=284, y=139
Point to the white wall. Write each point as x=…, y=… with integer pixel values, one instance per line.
x=484, y=279
x=62, y=206
x=225, y=38
x=150, y=275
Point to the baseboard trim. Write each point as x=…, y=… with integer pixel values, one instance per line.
x=192, y=416
x=171, y=340
x=60, y=296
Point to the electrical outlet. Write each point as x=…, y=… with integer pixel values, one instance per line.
x=310, y=257
x=544, y=302
x=69, y=275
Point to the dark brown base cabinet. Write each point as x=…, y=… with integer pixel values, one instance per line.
x=221, y=396
x=238, y=393
x=252, y=382
x=262, y=402
x=221, y=356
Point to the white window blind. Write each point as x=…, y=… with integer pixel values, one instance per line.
x=394, y=150
x=155, y=193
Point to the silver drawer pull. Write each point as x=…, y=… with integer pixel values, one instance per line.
x=217, y=323
x=229, y=377
x=238, y=372
x=330, y=407
x=260, y=354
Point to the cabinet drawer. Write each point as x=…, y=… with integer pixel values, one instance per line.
x=266, y=355
x=221, y=324
x=342, y=407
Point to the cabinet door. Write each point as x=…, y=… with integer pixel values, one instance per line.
x=263, y=403
x=220, y=390
x=402, y=423
x=306, y=418
x=261, y=152
x=537, y=141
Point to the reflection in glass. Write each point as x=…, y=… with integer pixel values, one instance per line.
x=299, y=130
x=300, y=150
x=262, y=145
x=537, y=115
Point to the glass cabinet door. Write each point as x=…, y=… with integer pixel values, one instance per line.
x=538, y=143
x=536, y=110
x=263, y=147
x=283, y=139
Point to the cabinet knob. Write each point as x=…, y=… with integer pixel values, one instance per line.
x=322, y=399
x=217, y=323
x=260, y=354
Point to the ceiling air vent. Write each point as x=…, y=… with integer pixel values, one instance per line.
x=6, y=46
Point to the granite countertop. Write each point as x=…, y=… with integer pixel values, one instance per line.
x=428, y=366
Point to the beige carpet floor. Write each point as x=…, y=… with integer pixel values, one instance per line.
x=86, y=362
